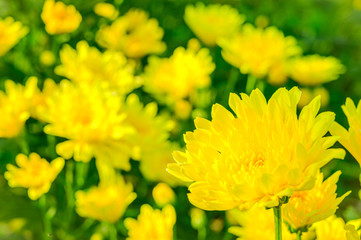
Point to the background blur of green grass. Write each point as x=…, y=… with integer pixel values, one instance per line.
x=325, y=27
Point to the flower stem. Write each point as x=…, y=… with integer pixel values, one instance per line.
x=46, y=217
x=251, y=83
x=21, y=139
x=299, y=234
x=113, y=234
x=278, y=221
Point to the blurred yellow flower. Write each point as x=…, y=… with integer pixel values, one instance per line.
x=152, y=130
x=315, y=70
x=308, y=207
x=209, y=23
x=60, y=18
x=330, y=229
x=34, y=173
x=174, y=78
x=106, y=10
x=134, y=34
x=259, y=51
x=47, y=58
x=308, y=94
x=163, y=194
x=183, y=109
x=87, y=65
x=152, y=224
x=262, y=154
x=198, y=218
x=16, y=106
x=106, y=202
x=154, y=163
x=92, y=121
x=11, y=33
x=255, y=224
x=352, y=229
x=350, y=139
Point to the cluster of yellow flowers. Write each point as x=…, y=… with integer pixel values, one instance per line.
x=260, y=154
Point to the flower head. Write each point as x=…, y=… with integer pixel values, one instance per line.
x=87, y=65
x=315, y=70
x=163, y=194
x=310, y=93
x=60, y=18
x=350, y=139
x=308, y=207
x=260, y=52
x=106, y=10
x=261, y=154
x=180, y=75
x=105, y=202
x=212, y=22
x=11, y=33
x=134, y=34
x=34, y=173
x=17, y=103
x=152, y=224
x=93, y=122
x=256, y=223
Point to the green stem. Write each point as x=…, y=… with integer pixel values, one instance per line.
x=251, y=83
x=278, y=221
x=69, y=179
x=113, y=234
x=46, y=217
x=202, y=233
x=51, y=146
x=299, y=234
x=232, y=79
x=81, y=169
x=21, y=139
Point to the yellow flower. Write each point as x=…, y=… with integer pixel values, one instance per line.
x=183, y=109
x=47, y=58
x=350, y=139
x=351, y=232
x=309, y=94
x=34, y=173
x=180, y=75
x=106, y=202
x=334, y=228
x=308, y=207
x=163, y=194
x=262, y=153
x=134, y=34
x=106, y=10
x=209, y=23
x=92, y=121
x=60, y=18
x=16, y=106
x=198, y=218
x=11, y=33
x=255, y=224
x=88, y=65
x=315, y=70
x=259, y=51
x=152, y=224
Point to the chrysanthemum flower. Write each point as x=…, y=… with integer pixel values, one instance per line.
x=134, y=34
x=152, y=224
x=261, y=154
x=260, y=52
x=180, y=75
x=11, y=33
x=87, y=65
x=310, y=93
x=34, y=173
x=255, y=224
x=106, y=10
x=16, y=106
x=60, y=18
x=106, y=202
x=334, y=228
x=315, y=70
x=308, y=207
x=350, y=139
x=92, y=121
x=163, y=194
x=209, y=23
